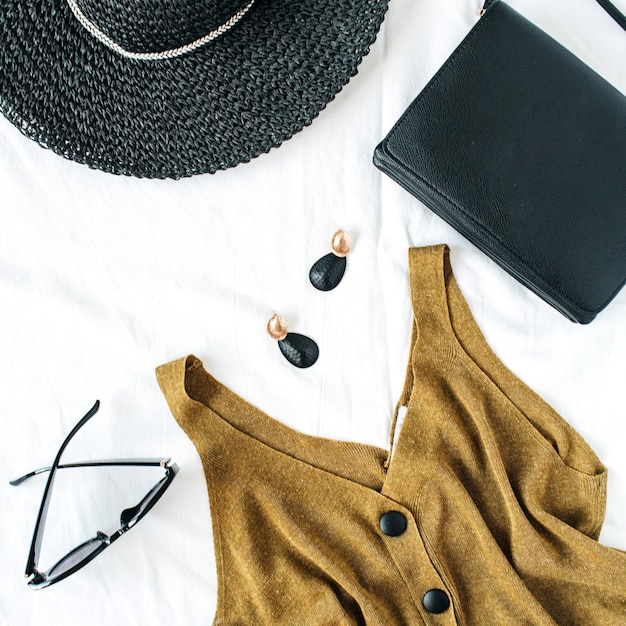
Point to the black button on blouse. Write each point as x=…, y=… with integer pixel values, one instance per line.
x=393, y=523
x=436, y=601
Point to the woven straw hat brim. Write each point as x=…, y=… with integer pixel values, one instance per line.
x=220, y=105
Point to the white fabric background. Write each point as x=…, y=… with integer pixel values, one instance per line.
x=102, y=278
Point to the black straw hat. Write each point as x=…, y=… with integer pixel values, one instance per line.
x=171, y=88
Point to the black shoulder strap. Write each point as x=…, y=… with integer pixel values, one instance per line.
x=608, y=6
x=614, y=12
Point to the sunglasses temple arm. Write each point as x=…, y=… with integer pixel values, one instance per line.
x=152, y=462
x=35, y=546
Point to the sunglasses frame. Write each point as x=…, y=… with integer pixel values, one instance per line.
x=128, y=518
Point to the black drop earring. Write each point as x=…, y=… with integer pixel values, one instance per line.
x=328, y=271
x=299, y=350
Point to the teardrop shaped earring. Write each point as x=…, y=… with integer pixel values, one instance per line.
x=299, y=350
x=328, y=271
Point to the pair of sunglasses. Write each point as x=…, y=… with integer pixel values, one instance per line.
x=90, y=549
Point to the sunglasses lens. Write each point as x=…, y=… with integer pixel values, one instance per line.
x=80, y=555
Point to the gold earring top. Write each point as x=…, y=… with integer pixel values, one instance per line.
x=340, y=243
x=277, y=327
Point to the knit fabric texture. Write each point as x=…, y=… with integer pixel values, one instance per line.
x=502, y=500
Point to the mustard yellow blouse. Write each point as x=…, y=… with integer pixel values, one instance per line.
x=487, y=513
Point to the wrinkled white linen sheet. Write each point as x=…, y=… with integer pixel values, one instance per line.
x=102, y=278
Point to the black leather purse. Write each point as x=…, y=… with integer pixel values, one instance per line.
x=521, y=147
